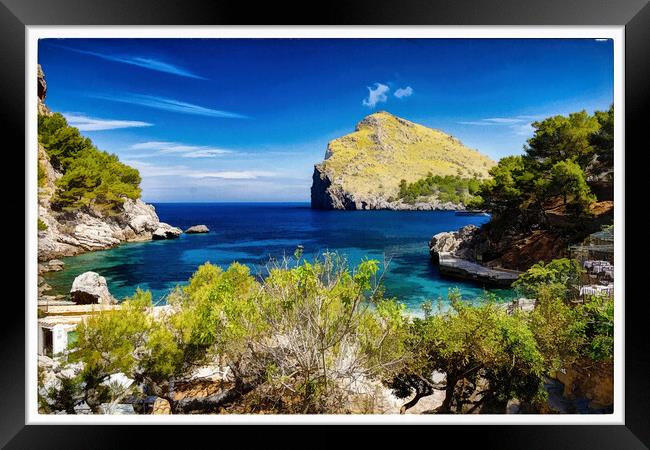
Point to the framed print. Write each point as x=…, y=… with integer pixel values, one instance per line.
x=407, y=215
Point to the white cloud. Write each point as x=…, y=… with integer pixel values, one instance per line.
x=183, y=150
x=85, y=123
x=504, y=120
x=519, y=125
x=147, y=63
x=149, y=170
x=169, y=104
x=376, y=95
x=209, y=153
x=523, y=129
x=404, y=92
x=234, y=175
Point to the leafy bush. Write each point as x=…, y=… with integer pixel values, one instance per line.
x=447, y=188
x=91, y=178
x=42, y=177
x=294, y=342
x=558, y=160
x=598, y=314
x=479, y=349
x=558, y=327
x=98, y=180
x=42, y=226
x=563, y=273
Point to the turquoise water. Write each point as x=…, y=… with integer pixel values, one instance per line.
x=253, y=233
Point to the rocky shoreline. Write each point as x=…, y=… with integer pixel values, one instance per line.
x=327, y=195
x=458, y=254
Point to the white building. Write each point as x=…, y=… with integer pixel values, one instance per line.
x=54, y=334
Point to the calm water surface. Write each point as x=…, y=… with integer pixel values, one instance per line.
x=253, y=233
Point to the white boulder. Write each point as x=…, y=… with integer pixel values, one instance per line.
x=91, y=288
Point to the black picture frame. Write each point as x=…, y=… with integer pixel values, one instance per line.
x=15, y=15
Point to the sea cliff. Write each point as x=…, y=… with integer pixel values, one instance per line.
x=71, y=232
x=364, y=169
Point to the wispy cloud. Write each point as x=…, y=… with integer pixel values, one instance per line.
x=404, y=92
x=148, y=169
x=520, y=125
x=503, y=120
x=168, y=104
x=183, y=150
x=523, y=129
x=147, y=63
x=376, y=95
x=85, y=123
x=234, y=175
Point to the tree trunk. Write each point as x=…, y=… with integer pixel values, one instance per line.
x=213, y=402
x=445, y=408
x=408, y=405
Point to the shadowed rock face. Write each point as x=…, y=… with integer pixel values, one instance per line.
x=91, y=288
x=363, y=170
x=325, y=195
x=42, y=92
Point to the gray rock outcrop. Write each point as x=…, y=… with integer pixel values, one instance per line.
x=91, y=288
x=42, y=91
x=328, y=195
x=165, y=231
x=456, y=243
x=197, y=229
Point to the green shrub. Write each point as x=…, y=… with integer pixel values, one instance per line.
x=449, y=188
x=42, y=177
x=563, y=273
x=98, y=180
x=91, y=178
x=295, y=338
x=473, y=346
x=42, y=226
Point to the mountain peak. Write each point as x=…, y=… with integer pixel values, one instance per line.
x=378, y=118
x=364, y=168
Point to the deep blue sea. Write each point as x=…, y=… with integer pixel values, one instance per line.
x=253, y=233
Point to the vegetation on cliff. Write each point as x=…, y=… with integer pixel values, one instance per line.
x=553, y=175
x=553, y=196
x=91, y=178
x=448, y=188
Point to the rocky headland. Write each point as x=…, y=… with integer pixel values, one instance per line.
x=363, y=170
x=67, y=233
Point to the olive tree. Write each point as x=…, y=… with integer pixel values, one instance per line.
x=486, y=355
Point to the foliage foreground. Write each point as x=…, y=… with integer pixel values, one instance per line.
x=319, y=338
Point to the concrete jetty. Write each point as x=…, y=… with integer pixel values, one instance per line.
x=454, y=267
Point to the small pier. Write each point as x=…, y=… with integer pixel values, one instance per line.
x=463, y=269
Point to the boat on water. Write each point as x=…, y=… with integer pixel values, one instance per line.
x=471, y=212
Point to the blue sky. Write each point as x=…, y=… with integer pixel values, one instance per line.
x=246, y=119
